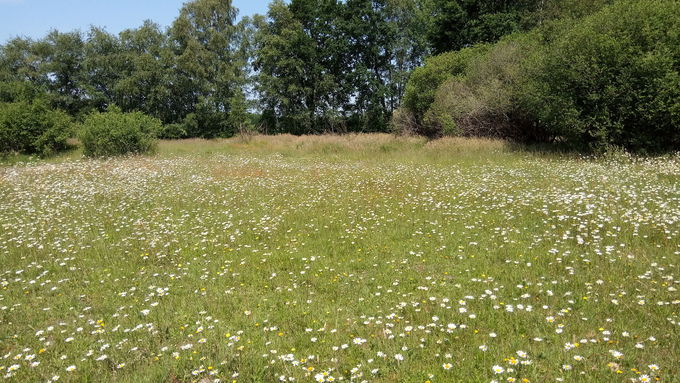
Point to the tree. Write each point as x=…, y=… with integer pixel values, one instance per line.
x=411, y=19
x=146, y=83
x=103, y=67
x=209, y=64
x=62, y=64
x=295, y=60
x=371, y=35
x=326, y=65
x=20, y=78
x=461, y=23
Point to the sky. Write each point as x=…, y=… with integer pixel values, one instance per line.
x=34, y=18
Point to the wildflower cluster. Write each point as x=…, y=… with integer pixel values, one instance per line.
x=243, y=267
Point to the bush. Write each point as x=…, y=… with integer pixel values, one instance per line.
x=608, y=79
x=612, y=79
x=173, y=132
x=33, y=128
x=480, y=102
x=14, y=91
x=115, y=133
x=403, y=122
x=423, y=84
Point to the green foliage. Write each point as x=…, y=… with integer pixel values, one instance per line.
x=336, y=66
x=115, y=133
x=293, y=54
x=611, y=79
x=65, y=53
x=11, y=91
x=103, y=66
x=608, y=79
x=239, y=117
x=321, y=66
x=481, y=102
x=33, y=128
x=457, y=24
x=211, y=57
x=461, y=23
x=192, y=69
x=144, y=80
x=422, y=87
x=173, y=131
x=581, y=72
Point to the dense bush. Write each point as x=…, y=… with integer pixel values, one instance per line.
x=173, y=132
x=13, y=91
x=608, y=79
x=469, y=92
x=480, y=101
x=33, y=128
x=612, y=79
x=423, y=84
x=115, y=133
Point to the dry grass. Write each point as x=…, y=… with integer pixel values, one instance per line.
x=354, y=146
x=463, y=144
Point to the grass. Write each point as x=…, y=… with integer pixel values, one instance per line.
x=358, y=258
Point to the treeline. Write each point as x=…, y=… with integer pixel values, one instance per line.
x=532, y=70
x=191, y=76
x=308, y=66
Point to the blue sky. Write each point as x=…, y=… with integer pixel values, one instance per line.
x=34, y=18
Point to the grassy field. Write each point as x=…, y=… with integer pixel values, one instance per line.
x=360, y=259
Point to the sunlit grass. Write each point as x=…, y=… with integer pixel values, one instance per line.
x=356, y=258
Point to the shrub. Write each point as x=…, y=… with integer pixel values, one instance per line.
x=423, y=84
x=480, y=102
x=14, y=91
x=611, y=79
x=403, y=122
x=173, y=132
x=116, y=133
x=33, y=128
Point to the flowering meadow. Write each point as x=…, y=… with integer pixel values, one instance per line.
x=358, y=259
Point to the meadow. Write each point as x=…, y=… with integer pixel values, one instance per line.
x=364, y=258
